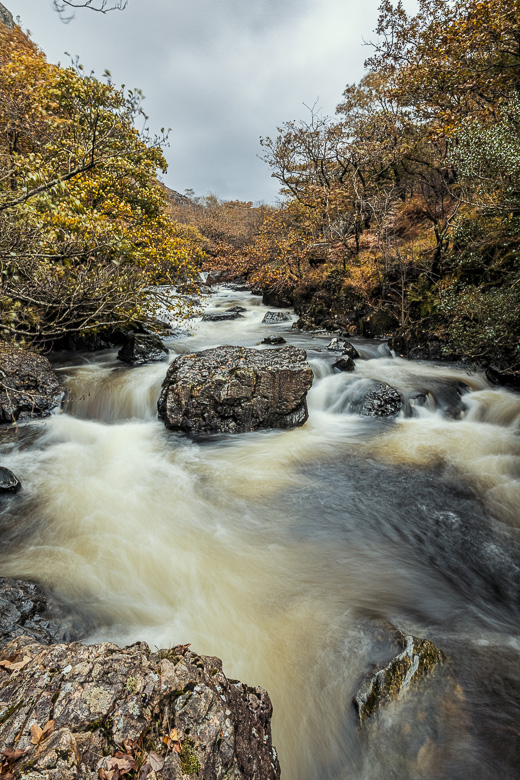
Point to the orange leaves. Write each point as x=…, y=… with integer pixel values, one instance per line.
x=14, y=666
x=132, y=762
x=172, y=741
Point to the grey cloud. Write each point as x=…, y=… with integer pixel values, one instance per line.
x=220, y=73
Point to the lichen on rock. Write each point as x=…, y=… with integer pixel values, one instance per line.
x=418, y=659
x=78, y=711
x=235, y=389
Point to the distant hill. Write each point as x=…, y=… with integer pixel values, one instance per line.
x=6, y=17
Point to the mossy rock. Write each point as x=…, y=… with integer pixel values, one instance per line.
x=418, y=659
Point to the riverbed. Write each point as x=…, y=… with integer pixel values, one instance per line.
x=278, y=551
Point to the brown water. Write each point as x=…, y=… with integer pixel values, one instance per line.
x=276, y=550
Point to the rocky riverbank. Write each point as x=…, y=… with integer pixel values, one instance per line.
x=68, y=710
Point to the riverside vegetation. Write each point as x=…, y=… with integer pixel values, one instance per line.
x=400, y=215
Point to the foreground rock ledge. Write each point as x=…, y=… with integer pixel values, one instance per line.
x=99, y=711
x=235, y=389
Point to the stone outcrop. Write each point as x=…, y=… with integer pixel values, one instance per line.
x=417, y=659
x=25, y=611
x=235, y=389
x=99, y=711
x=28, y=385
x=221, y=316
x=273, y=317
x=140, y=349
x=381, y=401
x=9, y=482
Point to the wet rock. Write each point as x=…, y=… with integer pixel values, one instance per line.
x=28, y=386
x=418, y=659
x=382, y=401
x=303, y=323
x=510, y=379
x=339, y=344
x=141, y=349
x=234, y=389
x=25, y=610
x=81, y=711
x=239, y=285
x=276, y=316
x=9, y=482
x=344, y=364
x=221, y=316
x=274, y=340
x=239, y=309
x=276, y=299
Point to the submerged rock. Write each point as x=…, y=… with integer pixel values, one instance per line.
x=418, y=659
x=234, y=389
x=24, y=611
x=276, y=316
x=28, y=385
x=239, y=309
x=221, y=316
x=141, y=349
x=9, y=482
x=100, y=711
x=382, y=401
x=274, y=340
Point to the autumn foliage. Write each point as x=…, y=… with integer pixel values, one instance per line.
x=410, y=194
x=84, y=231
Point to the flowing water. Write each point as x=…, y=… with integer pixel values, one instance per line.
x=280, y=551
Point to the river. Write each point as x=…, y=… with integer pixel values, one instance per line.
x=279, y=550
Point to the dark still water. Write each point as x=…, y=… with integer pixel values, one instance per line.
x=281, y=552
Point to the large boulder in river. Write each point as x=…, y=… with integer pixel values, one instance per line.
x=28, y=385
x=234, y=389
x=100, y=711
x=381, y=401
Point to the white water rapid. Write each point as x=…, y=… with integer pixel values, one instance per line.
x=274, y=550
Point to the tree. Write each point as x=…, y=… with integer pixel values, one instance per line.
x=84, y=233
x=102, y=6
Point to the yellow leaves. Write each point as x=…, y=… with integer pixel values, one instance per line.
x=172, y=741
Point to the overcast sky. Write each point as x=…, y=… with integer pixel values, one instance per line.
x=219, y=73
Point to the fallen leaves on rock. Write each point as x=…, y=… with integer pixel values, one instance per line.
x=172, y=741
x=38, y=734
x=8, y=757
x=14, y=666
